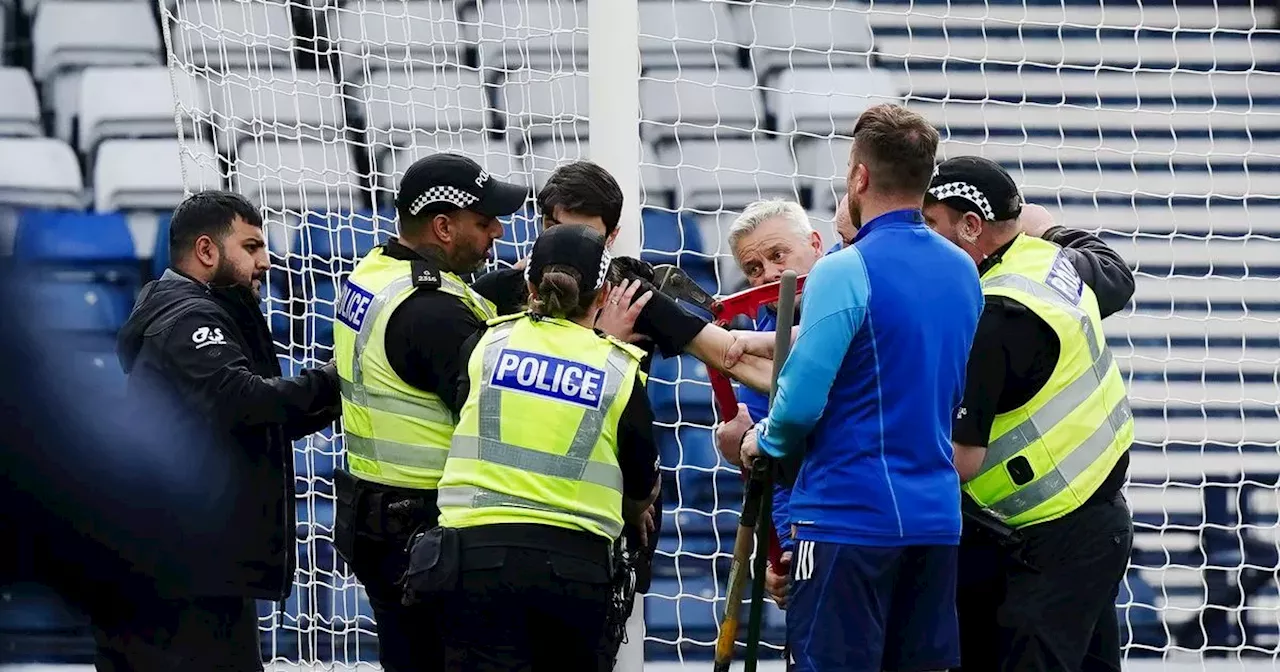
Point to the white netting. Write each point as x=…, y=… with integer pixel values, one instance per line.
x=1154, y=124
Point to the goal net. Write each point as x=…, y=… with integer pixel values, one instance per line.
x=1153, y=124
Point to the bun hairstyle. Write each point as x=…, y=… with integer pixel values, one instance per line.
x=559, y=294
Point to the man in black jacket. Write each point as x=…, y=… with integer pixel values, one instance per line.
x=198, y=337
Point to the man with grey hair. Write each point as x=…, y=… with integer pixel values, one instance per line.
x=768, y=238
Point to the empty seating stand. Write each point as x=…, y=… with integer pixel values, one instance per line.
x=133, y=102
x=70, y=35
x=131, y=175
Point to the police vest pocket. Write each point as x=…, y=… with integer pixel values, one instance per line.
x=433, y=563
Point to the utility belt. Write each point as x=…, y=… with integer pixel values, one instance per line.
x=623, y=598
x=994, y=531
x=438, y=556
x=378, y=512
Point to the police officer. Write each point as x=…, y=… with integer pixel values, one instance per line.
x=553, y=453
x=1042, y=434
x=402, y=318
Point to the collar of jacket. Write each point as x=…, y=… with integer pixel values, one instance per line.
x=904, y=217
x=237, y=295
x=996, y=257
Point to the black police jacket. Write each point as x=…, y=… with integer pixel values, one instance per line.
x=209, y=352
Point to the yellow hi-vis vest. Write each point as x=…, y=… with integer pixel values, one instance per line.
x=537, y=439
x=395, y=434
x=1075, y=429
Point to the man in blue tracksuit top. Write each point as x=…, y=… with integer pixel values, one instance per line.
x=866, y=398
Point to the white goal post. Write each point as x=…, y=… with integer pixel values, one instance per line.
x=1155, y=125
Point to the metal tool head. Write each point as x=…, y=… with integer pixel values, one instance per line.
x=677, y=284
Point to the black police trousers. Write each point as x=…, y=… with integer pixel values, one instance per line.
x=1058, y=614
x=528, y=598
x=373, y=526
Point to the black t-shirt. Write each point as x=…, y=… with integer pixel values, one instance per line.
x=1014, y=351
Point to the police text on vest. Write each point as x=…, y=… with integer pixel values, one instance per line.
x=550, y=377
x=354, y=305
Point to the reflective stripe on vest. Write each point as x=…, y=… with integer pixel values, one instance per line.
x=1054, y=411
x=355, y=391
x=575, y=465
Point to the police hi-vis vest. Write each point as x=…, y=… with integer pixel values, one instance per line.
x=537, y=440
x=1063, y=443
x=395, y=434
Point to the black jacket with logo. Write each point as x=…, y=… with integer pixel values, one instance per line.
x=209, y=350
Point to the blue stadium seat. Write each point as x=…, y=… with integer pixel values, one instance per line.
x=276, y=307
x=695, y=613
x=690, y=400
x=34, y=609
x=76, y=241
x=674, y=238
x=518, y=233
x=91, y=307
x=100, y=368
x=160, y=253
x=339, y=237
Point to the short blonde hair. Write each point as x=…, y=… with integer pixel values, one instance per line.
x=762, y=211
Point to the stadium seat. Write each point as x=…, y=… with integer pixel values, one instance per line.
x=69, y=35
x=671, y=238
x=374, y=36
x=254, y=106
x=822, y=101
x=518, y=233
x=85, y=308
x=150, y=174
x=100, y=368
x=690, y=103
x=686, y=34
x=28, y=608
x=98, y=245
x=536, y=34
x=39, y=173
x=397, y=103
x=789, y=33
x=494, y=153
x=544, y=106
x=729, y=174
x=225, y=35
x=332, y=243
x=19, y=104
x=547, y=154
x=296, y=175
x=133, y=102
x=822, y=168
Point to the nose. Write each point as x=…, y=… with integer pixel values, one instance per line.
x=495, y=229
x=773, y=272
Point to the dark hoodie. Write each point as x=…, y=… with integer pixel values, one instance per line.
x=209, y=350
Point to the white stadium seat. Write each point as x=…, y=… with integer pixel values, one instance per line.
x=374, y=35
x=252, y=105
x=293, y=176
x=397, y=103
x=822, y=101
x=687, y=34
x=70, y=35
x=131, y=103
x=39, y=173
x=544, y=156
x=546, y=105
x=823, y=165
x=793, y=33
x=690, y=103
x=714, y=174
x=237, y=34
x=538, y=34
x=494, y=153
x=19, y=104
x=149, y=174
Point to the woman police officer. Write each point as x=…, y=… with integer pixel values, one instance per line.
x=553, y=452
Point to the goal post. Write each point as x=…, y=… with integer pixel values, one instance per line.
x=1154, y=125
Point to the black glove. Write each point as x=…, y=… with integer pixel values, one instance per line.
x=629, y=268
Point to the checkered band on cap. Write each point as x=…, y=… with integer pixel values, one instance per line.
x=966, y=191
x=443, y=194
x=605, y=260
